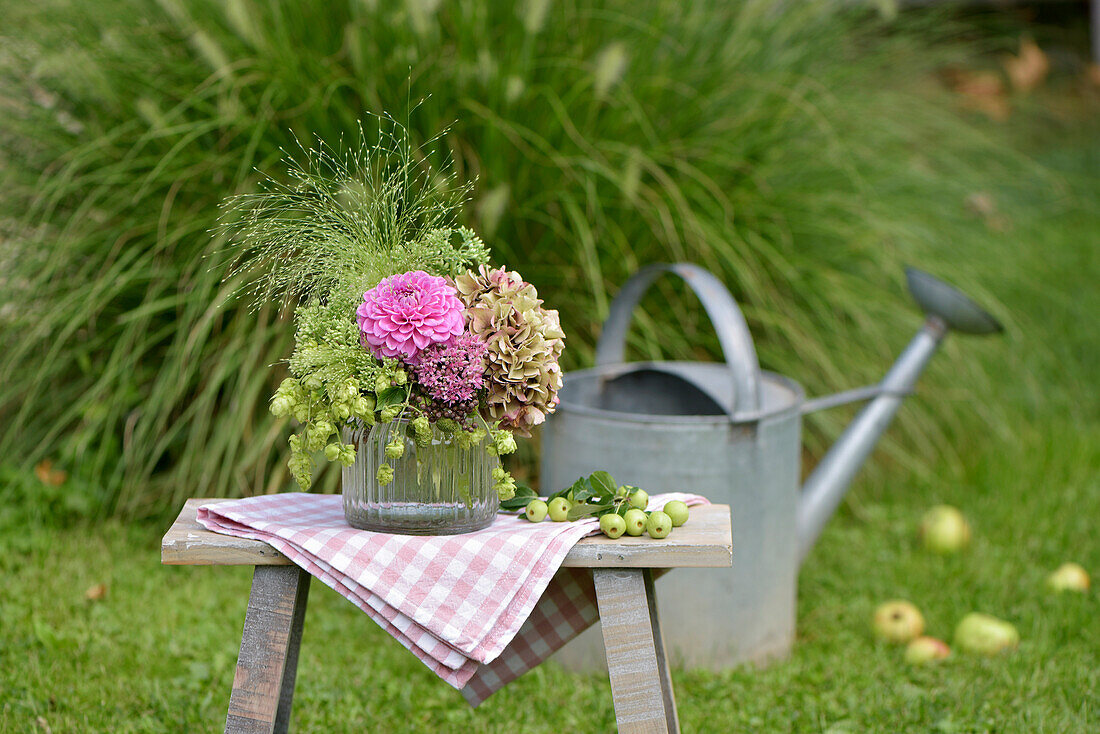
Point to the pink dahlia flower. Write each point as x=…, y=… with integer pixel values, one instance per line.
x=405, y=313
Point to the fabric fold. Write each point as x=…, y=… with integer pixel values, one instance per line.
x=479, y=609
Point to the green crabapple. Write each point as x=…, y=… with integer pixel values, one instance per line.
x=678, y=511
x=639, y=499
x=635, y=521
x=612, y=525
x=536, y=511
x=559, y=509
x=659, y=525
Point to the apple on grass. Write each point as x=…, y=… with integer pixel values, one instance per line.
x=926, y=650
x=1069, y=577
x=898, y=621
x=984, y=634
x=944, y=530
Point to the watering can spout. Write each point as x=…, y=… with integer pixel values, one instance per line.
x=946, y=309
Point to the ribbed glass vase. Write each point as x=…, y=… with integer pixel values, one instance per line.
x=439, y=489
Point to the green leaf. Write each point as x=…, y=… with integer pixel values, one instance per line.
x=575, y=487
x=390, y=396
x=524, y=494
x=580, y=510
x=603, y=483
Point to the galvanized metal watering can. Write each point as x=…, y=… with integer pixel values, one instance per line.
x=732, y=433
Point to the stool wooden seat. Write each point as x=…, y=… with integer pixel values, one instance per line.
x=641, y=688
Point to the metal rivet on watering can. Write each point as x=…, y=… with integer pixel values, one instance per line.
x=731, y=432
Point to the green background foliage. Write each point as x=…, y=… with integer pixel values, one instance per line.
x=767, y=146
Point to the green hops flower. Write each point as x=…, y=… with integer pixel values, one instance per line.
x=301, y=411
x=384, y=475
x=301, y=468
x=390, y=412
x=313, y=382
x=347, y=454
x=504, y=441
x=464, y=440
x=422, y=429
x=280, y=406
x=341, y=411
x=364, y=409
x=505, y=490
x=504, y=484
x=332, y=451
x=295, y=443
x=324, y=427
x=315, y=440
x=348, y=390
x=395, y=449
x=400, y=377
x=381, y=382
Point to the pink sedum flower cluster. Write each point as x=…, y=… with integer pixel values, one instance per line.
x=451, y=375
x=407, y=313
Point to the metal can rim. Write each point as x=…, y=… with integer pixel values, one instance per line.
x=798, y=396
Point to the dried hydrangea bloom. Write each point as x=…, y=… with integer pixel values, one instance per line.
x=405, y=313
x=524, y=342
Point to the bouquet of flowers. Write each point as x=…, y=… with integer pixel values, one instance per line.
x=398, y=313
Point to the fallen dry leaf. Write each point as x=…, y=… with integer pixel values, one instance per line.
x=95, y=593
x=983, y=91
x=48, y=475
x=1029, y=69
x=983, y=204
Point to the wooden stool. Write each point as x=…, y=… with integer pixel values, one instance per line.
x=263, y=685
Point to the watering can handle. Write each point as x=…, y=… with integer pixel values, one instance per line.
x=733, y=332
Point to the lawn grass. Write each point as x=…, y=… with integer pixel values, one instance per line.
x=157, y=653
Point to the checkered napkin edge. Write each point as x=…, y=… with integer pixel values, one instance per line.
x=479, y=609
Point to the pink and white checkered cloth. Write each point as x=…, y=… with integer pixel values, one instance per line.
x=479, y=609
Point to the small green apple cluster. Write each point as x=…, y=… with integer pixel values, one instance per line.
x=621, y=509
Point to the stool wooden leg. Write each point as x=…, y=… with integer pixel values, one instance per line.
x=640, y=686
x=662, y=657
x=263, y=685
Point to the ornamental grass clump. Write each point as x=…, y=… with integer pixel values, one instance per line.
x=363, y=246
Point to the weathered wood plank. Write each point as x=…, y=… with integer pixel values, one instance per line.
x=667, y=693
x=632, y=666
x=189, y=544
x=263, y=684
x=704, y=542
